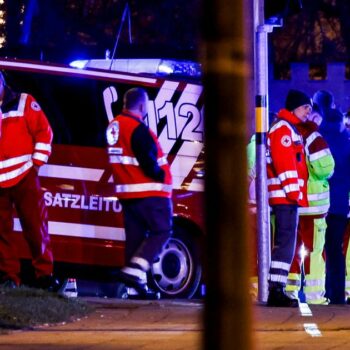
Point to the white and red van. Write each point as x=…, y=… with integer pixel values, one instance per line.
x=85, y=216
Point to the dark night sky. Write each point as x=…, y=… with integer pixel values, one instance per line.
x=61, y=30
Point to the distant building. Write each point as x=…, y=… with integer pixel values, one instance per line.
x=334, y=78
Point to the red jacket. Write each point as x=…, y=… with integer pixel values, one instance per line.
x=25, y=138
x=138, y=172
x=286, y=163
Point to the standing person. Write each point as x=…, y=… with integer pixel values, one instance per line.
x=346, y=252
x=287, y=177
x=334, y=131
x=312, y=219
x=144, y=186
x=324, y=99
x=25, y=145
x=346, y=248
x=251, y=162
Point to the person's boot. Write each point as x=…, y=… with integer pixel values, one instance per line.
x=139, y=286
x=148, y=294
x=278, y=298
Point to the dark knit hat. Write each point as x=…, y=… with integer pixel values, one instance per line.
x=296, y=98
x=324, y=99
x=332, y=115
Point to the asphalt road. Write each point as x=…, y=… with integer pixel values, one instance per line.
x=177, y=325
x=119, y=325
x=315, y=327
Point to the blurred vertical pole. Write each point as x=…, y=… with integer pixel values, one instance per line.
x=261, y=128
x=226, y=70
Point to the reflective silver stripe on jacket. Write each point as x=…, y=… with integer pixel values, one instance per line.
x=291, y=188
x=320, y=154
x=126, y=160
x=40, y=156
x=152, y=186
x=277, y=181
x=115, y=150
x=310, y=139
x=277, y=194
x=274, y=181
x=318, y=196
x=41, y=146
x=20, y=110
x=290, y=174
x=279, y=124
x=14, y=173
x=15, y=160
x=317, y=209
x=282, y=194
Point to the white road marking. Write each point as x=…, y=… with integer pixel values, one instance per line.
x=310, y=328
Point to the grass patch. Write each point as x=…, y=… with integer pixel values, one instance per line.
x=26, y=307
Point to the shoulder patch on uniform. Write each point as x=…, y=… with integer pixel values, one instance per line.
x=112, y=133
x=286, y=141
x=35, y=105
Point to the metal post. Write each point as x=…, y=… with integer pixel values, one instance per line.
x=262, y=124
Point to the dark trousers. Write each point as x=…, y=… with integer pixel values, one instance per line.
x=27, y=197
x=286, y=222
x=335, y=259
x=148, y=226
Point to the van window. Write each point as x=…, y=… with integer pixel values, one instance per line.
x=77, y=121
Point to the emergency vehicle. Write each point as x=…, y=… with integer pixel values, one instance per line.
x=85, y=216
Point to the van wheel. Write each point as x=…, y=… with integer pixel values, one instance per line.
x=177, y=271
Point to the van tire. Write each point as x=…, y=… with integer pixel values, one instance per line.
x=177, y=271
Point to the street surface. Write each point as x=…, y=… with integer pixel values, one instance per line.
x=177, y=325
x=119, y=325
x=315, y=327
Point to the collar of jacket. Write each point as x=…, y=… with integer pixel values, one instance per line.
x=307, y=128
x=128, y=113
x=289, y=117
x=10, y=100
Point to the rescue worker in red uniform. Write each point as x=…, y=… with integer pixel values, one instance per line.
x=25, y=145
x=287, y=178
x=312, y=219
x=144, y=187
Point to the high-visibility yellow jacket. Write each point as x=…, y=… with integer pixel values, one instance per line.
x=320, y=165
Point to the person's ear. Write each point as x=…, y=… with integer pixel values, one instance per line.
x=142, y=108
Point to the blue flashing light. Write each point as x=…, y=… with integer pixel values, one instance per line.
x=80, y=64
x=180, y=68
x=165, y=69
x=160, y=67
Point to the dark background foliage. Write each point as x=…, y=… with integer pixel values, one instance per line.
x=62, y=30
x=318, y=34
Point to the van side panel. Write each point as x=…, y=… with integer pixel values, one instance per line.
x=85, y=216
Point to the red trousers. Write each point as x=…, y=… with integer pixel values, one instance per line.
x=305, y=235
x=27, y=198
x=253, y=241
